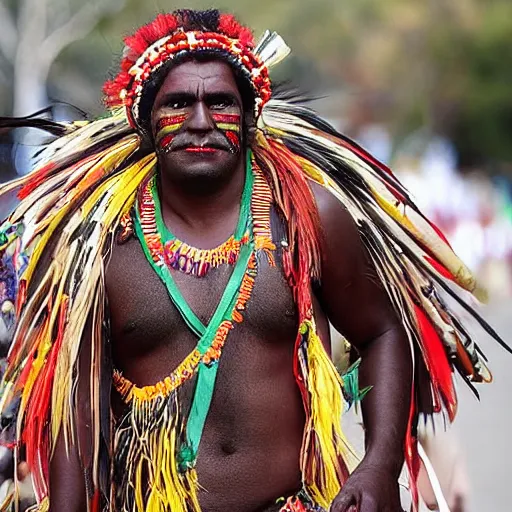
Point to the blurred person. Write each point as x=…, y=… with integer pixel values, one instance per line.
x=157, y=374
x=448, y=460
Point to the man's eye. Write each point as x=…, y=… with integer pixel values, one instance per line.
x=179, y=104
x=221, y=104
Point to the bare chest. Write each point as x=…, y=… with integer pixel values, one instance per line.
x=149, y=335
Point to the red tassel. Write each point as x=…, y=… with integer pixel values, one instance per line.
x=440, y=268
x=412, y=459
x=437, y=363
x=36, y=421
x=302, y=216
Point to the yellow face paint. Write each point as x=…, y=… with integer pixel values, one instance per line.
x=167, y=128
x=229, y=124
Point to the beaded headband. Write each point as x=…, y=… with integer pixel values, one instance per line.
x=127, y=88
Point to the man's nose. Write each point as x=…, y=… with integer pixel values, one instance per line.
x=200, y=119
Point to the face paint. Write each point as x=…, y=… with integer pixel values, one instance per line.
x=229, y=124
x=166, y=129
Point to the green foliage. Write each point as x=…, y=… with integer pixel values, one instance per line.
x=485, y=123
x=439, y=65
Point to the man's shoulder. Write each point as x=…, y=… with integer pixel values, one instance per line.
x=336, y=222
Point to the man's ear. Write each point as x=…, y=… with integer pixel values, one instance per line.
x=249, y=127
x=147, y=142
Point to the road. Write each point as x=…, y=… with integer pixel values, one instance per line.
x=485, y=428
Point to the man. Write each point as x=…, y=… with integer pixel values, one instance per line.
x=182, y=364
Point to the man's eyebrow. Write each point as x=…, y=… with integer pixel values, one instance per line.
x=182, y=95
x=222, y=94
x=178, y=95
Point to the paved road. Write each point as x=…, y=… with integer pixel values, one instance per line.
x=485, y=428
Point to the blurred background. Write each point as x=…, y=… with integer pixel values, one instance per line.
x=425, y=85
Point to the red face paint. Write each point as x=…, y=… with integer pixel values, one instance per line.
x=229, y=124
x=166, y=129
x=169, y=126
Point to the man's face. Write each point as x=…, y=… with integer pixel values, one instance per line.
x=197, y=121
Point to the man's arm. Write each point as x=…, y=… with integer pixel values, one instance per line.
x=67, y=483
x=359, y=308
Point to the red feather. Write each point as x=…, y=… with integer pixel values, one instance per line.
x=372, y=161
x=412, y=459
x=367, y=157
x=440, y=268
x=439, y=232
x=36, y=180
x=229, y=26
x=162, y=26
x=35, y=434
x=437, y=363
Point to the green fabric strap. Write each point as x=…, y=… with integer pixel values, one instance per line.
x=205, y=383
x=179, y=301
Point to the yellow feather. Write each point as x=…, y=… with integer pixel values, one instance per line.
x=326, y=408
x=109, y=160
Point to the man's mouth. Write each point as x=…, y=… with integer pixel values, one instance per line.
x=201, y=149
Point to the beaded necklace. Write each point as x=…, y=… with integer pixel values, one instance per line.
x=166, y=248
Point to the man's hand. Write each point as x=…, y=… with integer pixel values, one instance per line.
x=369, y=489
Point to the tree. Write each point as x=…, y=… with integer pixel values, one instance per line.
x=32, y=35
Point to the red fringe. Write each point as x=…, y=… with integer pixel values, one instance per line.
x=412, y=459
x=36, y=421
x=437, y=363
x=302, y=260
x=440, y=268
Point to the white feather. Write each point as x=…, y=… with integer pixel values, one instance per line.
x=272, y=49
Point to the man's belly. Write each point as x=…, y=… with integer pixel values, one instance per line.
x=250, y=451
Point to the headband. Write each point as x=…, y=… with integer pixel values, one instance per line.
x=127, y=88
